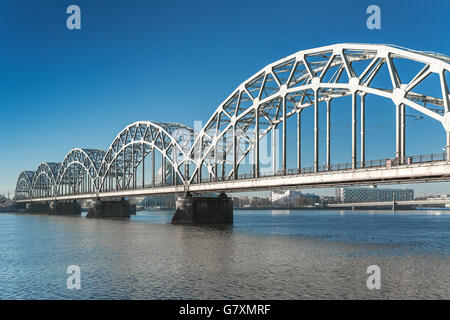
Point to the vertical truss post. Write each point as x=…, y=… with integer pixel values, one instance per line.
x=402, y=133
x=283, y=141
x=397, y=132
x=215, y=161
x=163, y=169
x=316, y=130
x=133, y=172
x=74, y=184
x=116, y=173
x=153, y=166
x=447, y=148
x=174, y=180
x=235, y=174
x=354, y=98
x=123, y=169
x=274, y=148
x=328, y=101
x=143, y=166
x=299, y=141
x=224, y=155
x=363, y=129
x=256, y=157
x=200, y=155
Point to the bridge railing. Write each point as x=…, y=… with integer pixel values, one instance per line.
x=394, y=162
x=386, y=163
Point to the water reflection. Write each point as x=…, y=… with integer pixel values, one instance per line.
x=296, y=254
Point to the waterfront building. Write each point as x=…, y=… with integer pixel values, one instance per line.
x=372, y=194
x=293, y=198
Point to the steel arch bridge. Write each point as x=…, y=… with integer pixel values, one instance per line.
x=210, y=159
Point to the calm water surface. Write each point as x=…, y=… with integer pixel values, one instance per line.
x=265, y=255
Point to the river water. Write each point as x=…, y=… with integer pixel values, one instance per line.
x=264, y=255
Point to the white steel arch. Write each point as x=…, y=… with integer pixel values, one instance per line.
x=23, y=186
x=78, y=172
x=304, y=79
x=132, y=145
x=44, y=180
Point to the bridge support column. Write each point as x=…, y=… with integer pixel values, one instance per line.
x=203, y=210
x=38, y=207
x=69, y=208
x=20, y=205
x=110, y=209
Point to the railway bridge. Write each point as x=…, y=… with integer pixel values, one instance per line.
x=224, y=155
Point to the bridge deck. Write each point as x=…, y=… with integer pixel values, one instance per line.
x=417, y=172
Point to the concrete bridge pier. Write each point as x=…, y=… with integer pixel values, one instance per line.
x=20, y=205
x=203, y=210
x=111, y=209
x=65, y=208
x=38, y=207
x=68, y=208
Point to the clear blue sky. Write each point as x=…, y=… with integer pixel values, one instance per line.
x=175, y=61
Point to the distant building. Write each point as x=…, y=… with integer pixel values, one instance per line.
x=327, y=199
x=372, y=194
x=444, y=196
x=168, y=200
x=243, y=202
x=293, y=198
x=163, y=200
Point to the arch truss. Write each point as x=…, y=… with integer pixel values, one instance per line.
x=255, y=109
x=305, y=79
x=23, y=186
x=124, y=165
x=78, y=172
x=44, y=180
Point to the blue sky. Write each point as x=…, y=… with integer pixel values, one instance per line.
x=176, y=61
